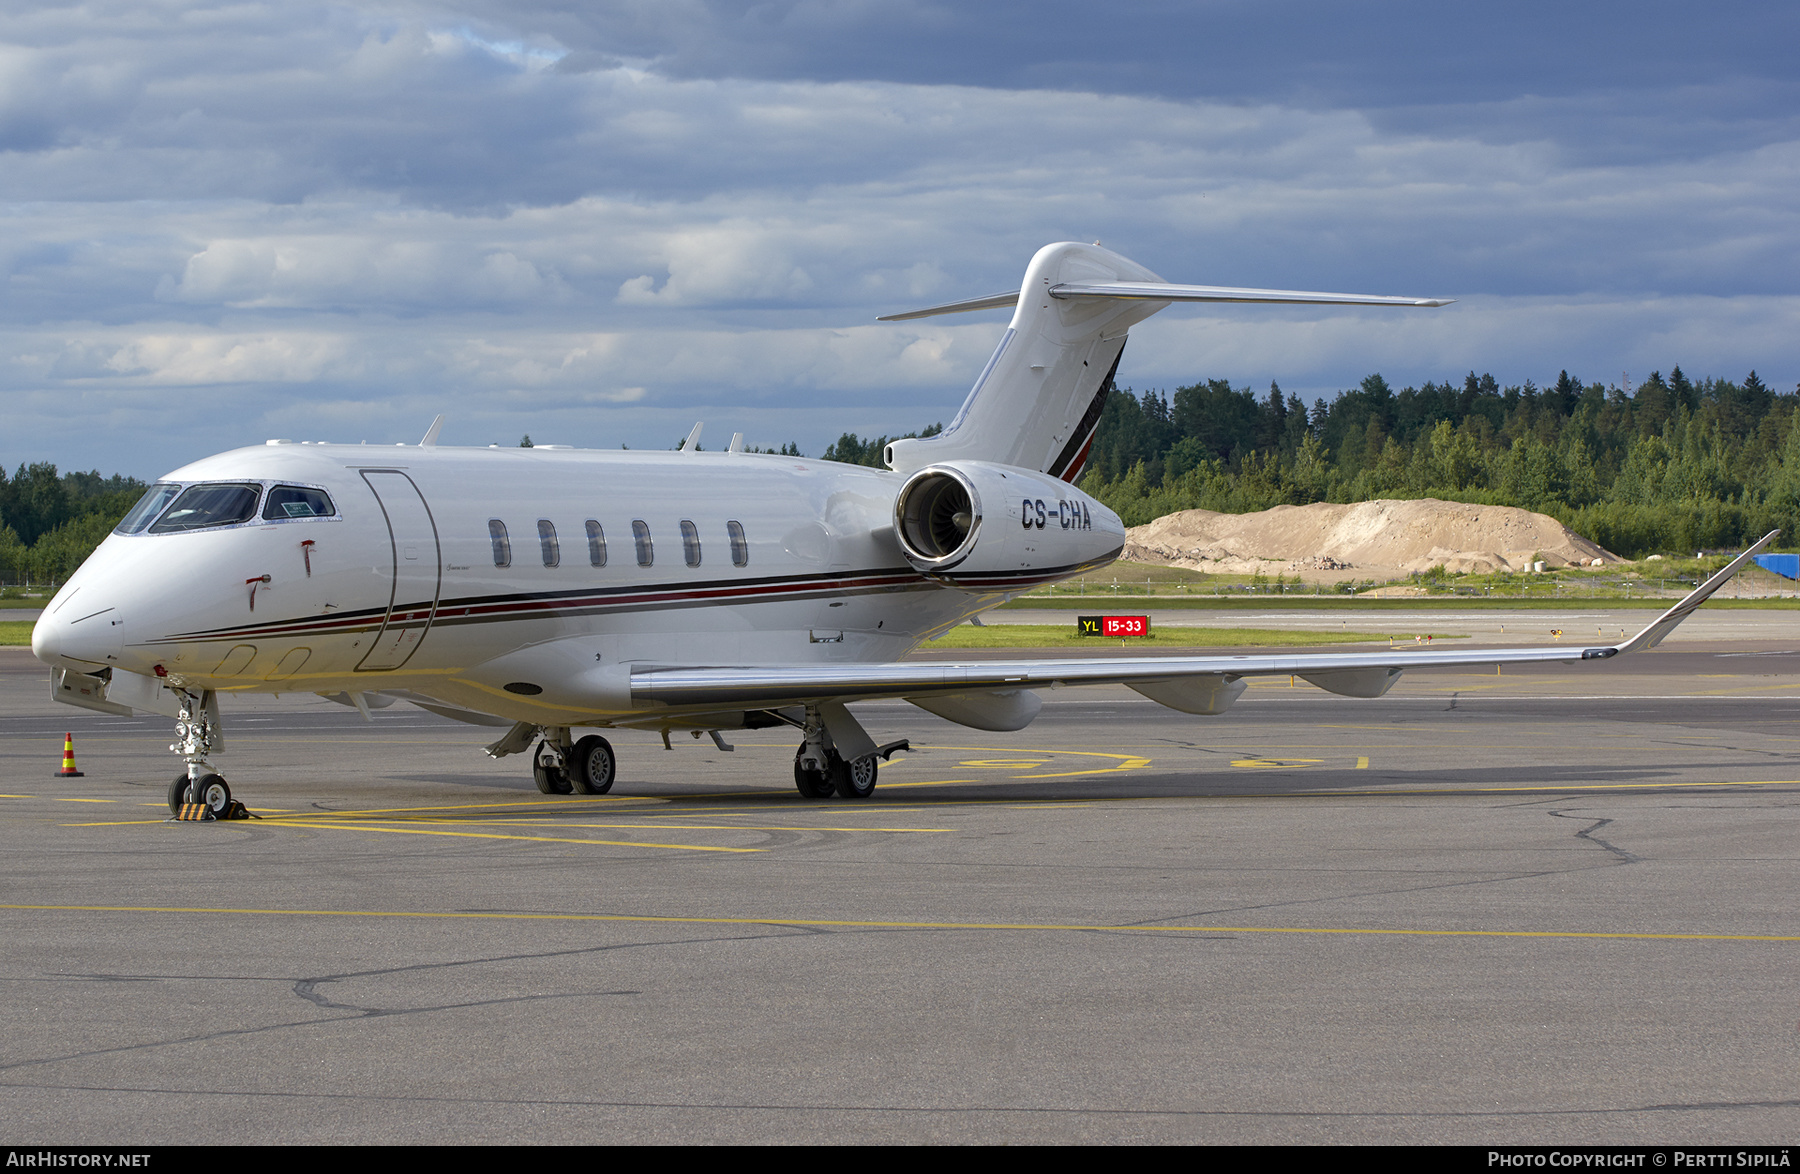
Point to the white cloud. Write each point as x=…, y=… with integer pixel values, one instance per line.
x=185, y=359
x=426, y=206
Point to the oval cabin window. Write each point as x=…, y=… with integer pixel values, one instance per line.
x=690, y=542
x=640, y=530
x=547, y=541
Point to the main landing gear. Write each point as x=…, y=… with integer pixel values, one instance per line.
x=587, y=767
x=850, y=780
x=836, y=757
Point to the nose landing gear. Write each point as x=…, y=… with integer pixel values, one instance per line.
x=200, y=789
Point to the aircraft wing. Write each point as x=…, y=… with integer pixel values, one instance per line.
x=1195, y=684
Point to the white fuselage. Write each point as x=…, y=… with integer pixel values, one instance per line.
x=750, y=559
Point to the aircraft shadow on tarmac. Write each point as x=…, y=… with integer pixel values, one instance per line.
x=1274, y=780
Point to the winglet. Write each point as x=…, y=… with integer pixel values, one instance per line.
x=1653, y=635
x=431, y=433
x=692, y=443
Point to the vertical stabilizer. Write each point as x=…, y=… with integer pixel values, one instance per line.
x=1038, y=401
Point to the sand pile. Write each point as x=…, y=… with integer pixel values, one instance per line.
x=1369, y=539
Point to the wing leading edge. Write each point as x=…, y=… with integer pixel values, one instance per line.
x=1199, y=684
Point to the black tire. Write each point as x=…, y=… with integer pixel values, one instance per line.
x=549, y=780
x=216, y=795
x=592, y=766
x=813, y=784
x=178, y=793
x=853, y=780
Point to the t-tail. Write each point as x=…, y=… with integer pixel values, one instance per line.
x=1037, y=403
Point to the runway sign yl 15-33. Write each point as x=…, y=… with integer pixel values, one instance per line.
x=1112, y=625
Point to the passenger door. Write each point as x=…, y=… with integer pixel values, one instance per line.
x=417, y=573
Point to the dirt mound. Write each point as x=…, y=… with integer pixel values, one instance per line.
x=1369, y=539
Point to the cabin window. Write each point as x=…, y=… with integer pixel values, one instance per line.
x=502, y=547
x=204, y=506
x=640, y=530
x=148, y=506
x=293, y=501
x=547, y=541
x=596, y=543
x=740, y=546
x=690, y=542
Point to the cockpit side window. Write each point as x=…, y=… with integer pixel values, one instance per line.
x=201, y=507
x=293, y=501
x=148, y=506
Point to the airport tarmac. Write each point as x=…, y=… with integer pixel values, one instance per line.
x=1554, y=906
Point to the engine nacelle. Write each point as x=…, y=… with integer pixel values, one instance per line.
x=993, y=527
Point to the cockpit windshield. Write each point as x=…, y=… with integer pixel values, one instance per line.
x=203, y=506
x=148, y=506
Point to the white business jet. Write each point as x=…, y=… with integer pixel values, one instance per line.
x=550, y=590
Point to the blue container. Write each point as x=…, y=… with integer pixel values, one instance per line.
x=1785, y=565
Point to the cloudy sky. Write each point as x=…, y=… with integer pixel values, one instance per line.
x=598, y=222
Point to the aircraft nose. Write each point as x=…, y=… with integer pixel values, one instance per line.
x=46, y=639
x=84, y=643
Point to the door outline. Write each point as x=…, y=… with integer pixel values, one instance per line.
x=394, y=544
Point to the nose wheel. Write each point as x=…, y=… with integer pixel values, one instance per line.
x=208, y=789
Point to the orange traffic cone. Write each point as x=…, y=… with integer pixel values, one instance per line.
x=68, y=770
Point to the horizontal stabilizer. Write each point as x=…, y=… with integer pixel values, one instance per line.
x=1153, y=291
x=991, y=302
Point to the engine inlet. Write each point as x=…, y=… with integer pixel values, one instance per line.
x=935, y=517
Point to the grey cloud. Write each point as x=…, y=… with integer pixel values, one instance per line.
x=594, y=222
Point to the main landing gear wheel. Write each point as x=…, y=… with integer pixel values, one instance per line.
x=592, y=766
x=214, y=792
x=813, y=784
x=549, y=779
x=853, y=780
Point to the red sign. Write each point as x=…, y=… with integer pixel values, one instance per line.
x=1115, y=626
